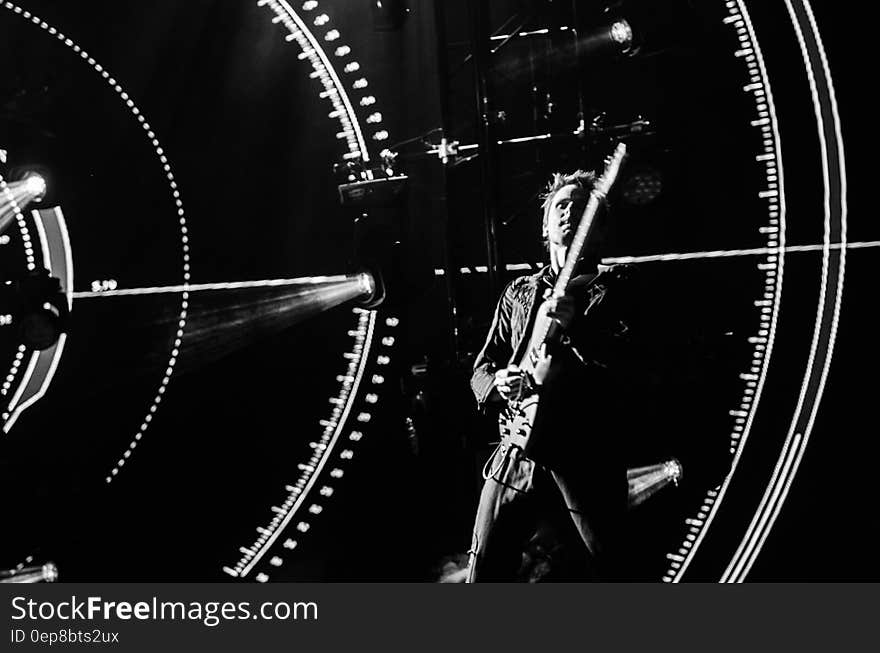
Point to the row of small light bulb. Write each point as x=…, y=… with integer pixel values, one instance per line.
x=29, y=255
x=10, y=199
x=765, y=305
x=351, y=67
x=348, y=120
x=347, y=454
x=322, y=449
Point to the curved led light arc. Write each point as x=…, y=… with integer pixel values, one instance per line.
x=22, y=225
x=344, y=112
x=738, y=16
x=42, y=364
x=54, y=353
x=175, y=193
x=29, y=257
x=334, y=88
x=344, y=458
x=16, y=409
x=269, y=534
x=787, y=466
x=10, y=378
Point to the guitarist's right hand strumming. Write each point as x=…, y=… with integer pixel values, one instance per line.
x=509, y=382
x=514, y=383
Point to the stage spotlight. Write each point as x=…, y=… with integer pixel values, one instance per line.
x=366, y=283
x=622, y=34
x=47, y=573
x=376, y=259
x=644, y=482
x=35, y=186
x=18, y=195
x=389, y=15
x=647, y=27
x=372, y=286
x=617, y=38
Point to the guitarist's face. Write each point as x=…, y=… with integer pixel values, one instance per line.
x=565, y=212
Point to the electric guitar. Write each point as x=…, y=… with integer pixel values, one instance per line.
x=516, y=420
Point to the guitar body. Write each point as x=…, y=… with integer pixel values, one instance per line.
x=516, y=420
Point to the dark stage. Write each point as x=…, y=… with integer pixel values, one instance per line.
x=251, y=251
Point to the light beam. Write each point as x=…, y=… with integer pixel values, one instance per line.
x=729, y=253
x=227, y=316
x=18, y=195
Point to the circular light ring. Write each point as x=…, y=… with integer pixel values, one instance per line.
x=792, y=445
x=166, y=166
x=10, y=378
x=270, y=550
x=26, y=240
x=323, y=451
x=830, y=291
x=17, y=361
x=748, y=51
x=310, y=43
x=39, y=363
x=334, y=90
x=42, y=364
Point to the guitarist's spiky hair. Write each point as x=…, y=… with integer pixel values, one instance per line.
x=583, y=178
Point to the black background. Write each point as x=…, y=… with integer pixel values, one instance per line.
x=244, y=171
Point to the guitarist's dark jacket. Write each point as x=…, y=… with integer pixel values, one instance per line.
x=582, y=421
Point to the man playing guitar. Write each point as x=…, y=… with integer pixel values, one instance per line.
x=556, y=490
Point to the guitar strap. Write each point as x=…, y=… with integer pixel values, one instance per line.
x=543, y=280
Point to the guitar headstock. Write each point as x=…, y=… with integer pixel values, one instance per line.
x=612, y=167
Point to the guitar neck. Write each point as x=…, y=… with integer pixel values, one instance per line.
x=543, y=327
x=577, y=246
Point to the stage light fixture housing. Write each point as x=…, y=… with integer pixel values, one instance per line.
x=35, y=185
x=373, y=192
x=615, y=38
x=372, y=285
x=621, y=33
